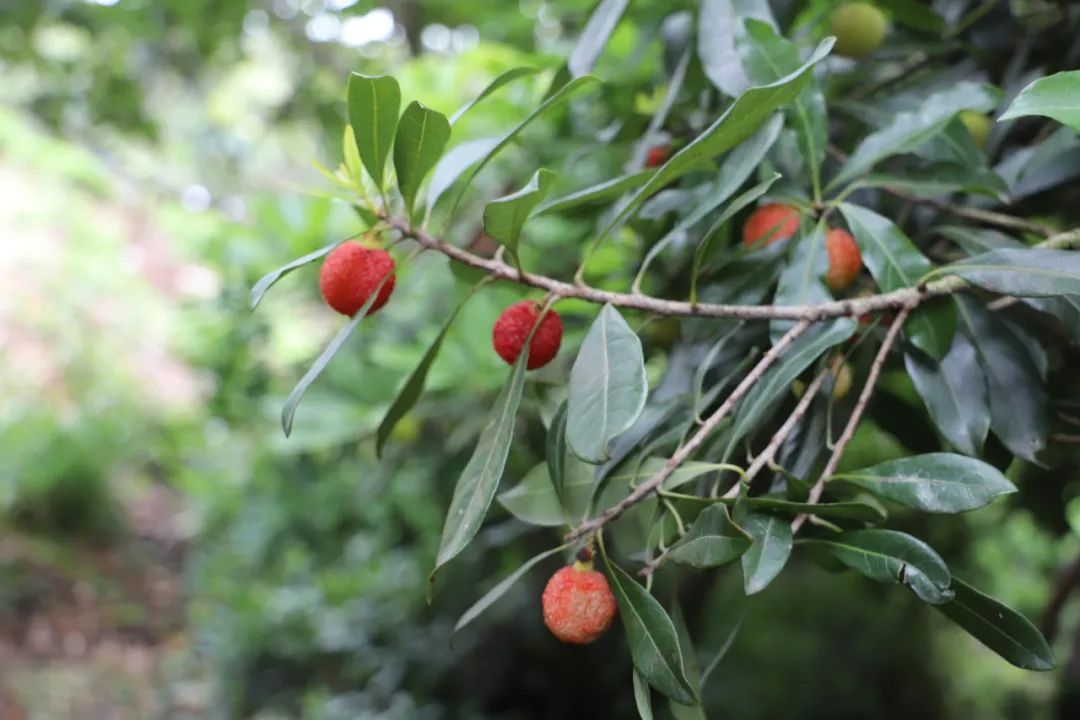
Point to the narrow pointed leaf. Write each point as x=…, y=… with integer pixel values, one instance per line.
x=896, y=263
x=641, y=697
x=1056, y=96
x=830, y=511
x=607, y=386
x=507, y=77
x=935, y=482
x=595, y=36
x=476, y=487
x=712, y=540
x=454, y=164
x=954, y=392
x=492, y=595
x=1034, y=272
x=556, y=451
x=422, y=135
x=654, y=644
x=374, y=103
x=718, y=23
x=941, y=179
x=891, y=557
x=769, y=551
x=595, y=193
x=802, y=281
x=998, y=627
x=317, y=367
x=505, y=217
x=267, y=281
x=534, y=500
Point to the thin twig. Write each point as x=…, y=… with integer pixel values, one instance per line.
x=986, y=217
x=679, y=457
x=856, y=414
x=1063, y=439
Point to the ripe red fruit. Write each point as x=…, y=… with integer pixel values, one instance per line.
x=845, y=261
x=657, y=156
x=578, y=604
x=349, y=275
x=770, y=223
x=512, y=330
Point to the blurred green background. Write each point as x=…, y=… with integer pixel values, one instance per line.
x=165, y=553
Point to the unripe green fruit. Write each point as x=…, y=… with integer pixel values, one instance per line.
x=978, y=125
x=859, y=29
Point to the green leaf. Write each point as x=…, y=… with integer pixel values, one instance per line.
x=915, y=15
x=935, y=482
x=558, y=98
x=641, y=697
x=454, y=164
x=1056, y=96
x=909, y=130
x=1019, y=406
x=711, y=541
x=770, y=549
x=654, y=644
x=687, y=472
x=507, y=77
x=492, y=595
x=595, y=193
x=742, y=118
x=891, y=557
x=476, y=487
x=535, y=501
x=802, y=280
x=412, y=389
x=954, y=392
x=896, y=263
x=940, y=179
x=374, y=103
x=317, y=367
x=422, y=135
x=830, y=511
x=1034, y=272
x=505, y=217
x=267, y=281
x=607, y=386
x=718, y=23
x=556, y=453
x=352, y=156
x=595, y=36
x=998, y=627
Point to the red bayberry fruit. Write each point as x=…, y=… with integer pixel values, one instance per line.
x=578, y=604
x=770, y=223
x=349, y=275
x=845, y=261
x=657, y=156
x=512, y=330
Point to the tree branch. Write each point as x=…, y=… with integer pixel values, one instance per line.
x=856, y=414
x=653, y=483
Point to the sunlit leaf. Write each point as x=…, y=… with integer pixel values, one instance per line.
x=595, y=36
x=505, y=217
x=718, y=23
x=454, y=164
x=503, y=79
x=374, y=103
x=421, y=138
x=267, y=281
x=1055, y=96
x=595, y=193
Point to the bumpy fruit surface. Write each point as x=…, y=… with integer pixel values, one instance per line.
x=859, y=28
x=845, y=261
x=349, y=275
x=657, y=156
x=512, y=330
x=978, y=125
x=578, y=604
x=770, y=223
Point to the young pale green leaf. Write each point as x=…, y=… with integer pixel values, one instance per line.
x=421, y=138
x=712, y=540
x=374, y=103
x=454, y=164
x=1019, y=406
x=896, y=263
x=267, y=281
x=654, y=644
x=595, y=36
x=595, y=193
x=1055, y=96
x=351, y=155
x=891, y=557
x=830, y=511
x=954, y=392
x=769, y=551
x=562, y=95
x=935, y=482
x=939, y=179
x=507, y=77
x=1034, y=272
x=909, y=130
x=328, y=353
x=535, y=501
x=641, y=697
x=998, y=627
x=742, y=118
x=719, y=22
x=607, y=386
x=476, y=487
x=410, y=392
x=802, y=280
x=492, y=595
x=505, y=217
